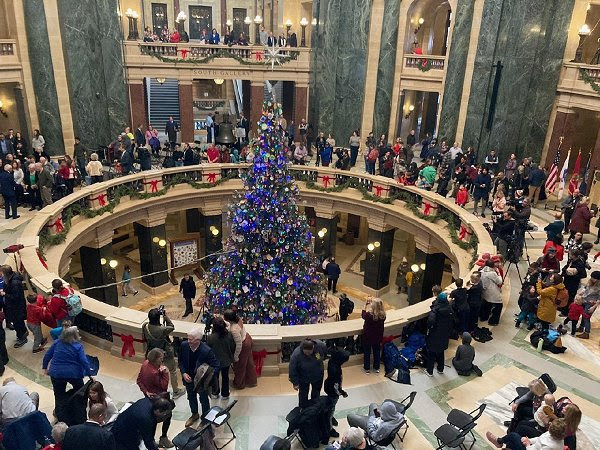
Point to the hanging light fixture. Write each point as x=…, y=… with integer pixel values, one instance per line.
x=219, y=81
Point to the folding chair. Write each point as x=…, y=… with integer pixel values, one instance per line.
x=449, y=436
x=218, y=416
x=466, y=421
x=190, y=438
x=548, y=381
x=384, y=443
x=404, y=406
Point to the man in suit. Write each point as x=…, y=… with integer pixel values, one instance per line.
x=6, y=146
x=90, y=435
x=138, y=423
x=8, y=189
x=271, y=40
x=140, y=136
x=171, y=130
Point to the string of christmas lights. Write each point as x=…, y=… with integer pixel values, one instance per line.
x=271, y=273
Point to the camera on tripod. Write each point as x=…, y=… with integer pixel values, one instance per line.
x=207, y=320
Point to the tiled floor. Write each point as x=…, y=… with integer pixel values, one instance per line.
x=507, y=360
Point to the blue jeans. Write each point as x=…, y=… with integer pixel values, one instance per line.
x=586, y=324
x=512, y=441
x=193, y=399
x=529, y=315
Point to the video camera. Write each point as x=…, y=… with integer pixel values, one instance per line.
x=161, y=310
x=207, y=320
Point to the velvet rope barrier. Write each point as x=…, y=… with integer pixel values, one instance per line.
x=259, y=359
x=128, y=341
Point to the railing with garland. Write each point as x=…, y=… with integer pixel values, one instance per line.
x=53, y=223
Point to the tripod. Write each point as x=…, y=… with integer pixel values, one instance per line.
x=516, y=265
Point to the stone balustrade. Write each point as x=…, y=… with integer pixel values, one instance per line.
x=424, y=62
x=123, y=196
x=575, y=87
x=7, y=47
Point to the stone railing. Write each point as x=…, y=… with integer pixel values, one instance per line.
x=106, y=202
x=214, y=57
x=576, y=86
x=7, y=47
x=424, y=62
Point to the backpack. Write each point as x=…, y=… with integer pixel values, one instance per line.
x=373, y=155
x=73, y=304
x=562, y=298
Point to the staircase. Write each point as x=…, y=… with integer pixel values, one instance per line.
x=273, y=89
x=163, y=101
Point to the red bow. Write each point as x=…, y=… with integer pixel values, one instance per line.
x=212, y=177
x=101, y=199
x=326, y=179
x=464, y=232
x=259, y=56
x=58, y=223
x=128, y=341
x=427, y=208
x=153, y=185
x=184, y=52
x=378, y=190
x=259, y=359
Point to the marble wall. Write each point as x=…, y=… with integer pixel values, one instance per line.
x=91, y=36
x=42, y=73
x=386, y=68
x=340, y=42
x=455, y=74
x=528, y=37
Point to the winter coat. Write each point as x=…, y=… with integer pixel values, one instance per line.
x=187, y=288
x=440, y=323
x=529, y=303
x=223, y=347
x=307, y=369
x=547, y=307
x=15, y=308
x=333, y=271
x=580, y=220
x=460, y=299
x=486, y=181
x=66, y=360
x=474, y=296
x=572, y=282
x=372, y=329
x=333, y=383
x=463, y=359
x=491, y=282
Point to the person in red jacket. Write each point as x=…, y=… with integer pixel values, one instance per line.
x=462, y=196
x=58, y=303
x=213, y=155
x=575, y=312
x=35, y=313
x=555, y=243
x=153, y=381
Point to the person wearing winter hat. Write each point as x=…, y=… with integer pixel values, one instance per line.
x=381, y=421
x=440, y=324
x=465, y=355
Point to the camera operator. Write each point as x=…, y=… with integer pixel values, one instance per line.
x=156, y=335
x=504, y=228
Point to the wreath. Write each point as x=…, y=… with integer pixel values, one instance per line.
x=425, y=65
x=221, y=53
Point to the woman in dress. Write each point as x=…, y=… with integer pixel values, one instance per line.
x=244, y=370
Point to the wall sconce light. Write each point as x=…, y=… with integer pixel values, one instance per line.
x=113, y=263
x=2, y=109
x=414, y=268
x=161, y=81
x=303, y=24
x=229, y=24
x=103, y=261
x=219, y=81
x=247, y=20
x=421, y=21
x=373, y=245
x=214, y=231
x=411, y=108
x=584, y=32
x=314, y=21
x=423, y=267
x=162, y=243
x=322, y=232
x=155, y=239
x=181, y=17
x=288, y=25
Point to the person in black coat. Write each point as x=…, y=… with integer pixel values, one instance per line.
x=481, y=192
x=14, y=304
x=140, y=136
x=171, y=129
x=138, y=423
x=440, y=323
x=8, y=187
x=474, y=300
x=189, y=158
x=145, y=158
x=90, y=435
x=126, y=162
x=333, y=383
x=573, y=272
x=33, y=193
x=187, y=287
x=460, y=305
x=333, y=271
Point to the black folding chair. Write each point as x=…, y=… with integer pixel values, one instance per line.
x=384, y=443
x=190, y=438
x=466, y=421
x=404, y=406
x=546, y=379
x=218, y=416
x=449, y=436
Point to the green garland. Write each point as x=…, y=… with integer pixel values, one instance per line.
x=221, y=54
x=585, y=76
x=47, y=239
x=425, y=67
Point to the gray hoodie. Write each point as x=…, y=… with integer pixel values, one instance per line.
x=381, y=427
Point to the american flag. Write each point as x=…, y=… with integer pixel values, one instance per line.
x=552, y=180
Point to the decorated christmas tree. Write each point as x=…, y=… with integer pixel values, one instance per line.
x=269, y=271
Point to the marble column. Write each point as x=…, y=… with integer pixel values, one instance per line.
x=257, y=95
x=528, y=37
x=22, y=112
x=42, y=73
x=95, y=265
x=186, y=111
x=213, y=240
x=246, y=98
x=564, y=126
x=386, y=68
x=379, y=260
x=300, y=103
x=594, y=162
x=434, y=271
x=137, y=105
x=340, y=43
x=325, y=246
x=153, y=255
x=287, y=100
x=456, y=66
